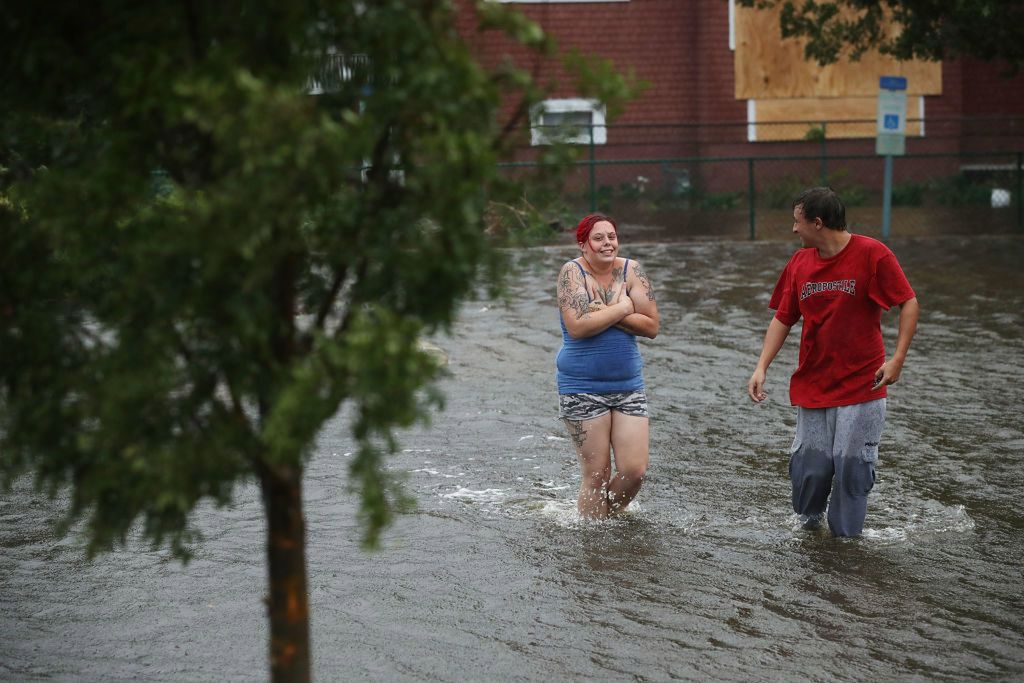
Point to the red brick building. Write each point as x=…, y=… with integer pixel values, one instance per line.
x=685, y=51
x=694, y=129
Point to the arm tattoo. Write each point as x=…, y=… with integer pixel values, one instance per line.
x=576, y=432
x=644, y=282
x=571, y=293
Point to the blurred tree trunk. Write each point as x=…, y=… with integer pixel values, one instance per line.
x=287, y=601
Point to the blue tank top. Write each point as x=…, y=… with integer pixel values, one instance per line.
x=605, y=363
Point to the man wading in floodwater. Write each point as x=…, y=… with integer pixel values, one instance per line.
x=840, y=284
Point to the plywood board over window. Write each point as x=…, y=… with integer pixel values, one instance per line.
x=802, y=118
x=783, y=89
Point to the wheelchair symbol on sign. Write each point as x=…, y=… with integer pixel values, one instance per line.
x=891, y=122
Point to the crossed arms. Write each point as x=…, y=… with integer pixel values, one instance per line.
x=628, y=305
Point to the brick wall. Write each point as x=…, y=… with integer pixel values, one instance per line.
x=988, y=90
x=654, y=38
x=681, y=47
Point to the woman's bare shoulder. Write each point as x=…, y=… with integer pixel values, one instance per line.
x=571, y=265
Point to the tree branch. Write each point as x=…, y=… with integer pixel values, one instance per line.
x=328, y=303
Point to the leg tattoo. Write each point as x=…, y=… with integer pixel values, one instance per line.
x=576, y=432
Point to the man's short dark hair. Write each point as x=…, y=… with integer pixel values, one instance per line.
x=823, y=203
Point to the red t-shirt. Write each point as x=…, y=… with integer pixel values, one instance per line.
x=841, y=301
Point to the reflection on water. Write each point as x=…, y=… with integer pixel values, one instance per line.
x=495, y=577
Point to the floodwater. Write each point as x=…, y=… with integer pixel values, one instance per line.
x=494, y=578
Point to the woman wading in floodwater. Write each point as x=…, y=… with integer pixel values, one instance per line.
x=605, y=301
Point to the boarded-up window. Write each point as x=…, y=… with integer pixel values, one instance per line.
x=790, y=97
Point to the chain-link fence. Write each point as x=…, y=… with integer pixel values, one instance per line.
x=680, y=181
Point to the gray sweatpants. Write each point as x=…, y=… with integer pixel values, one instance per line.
x=834, y=452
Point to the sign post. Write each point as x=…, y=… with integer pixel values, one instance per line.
x=891, y=136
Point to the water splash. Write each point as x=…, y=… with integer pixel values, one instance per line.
x=931, y=519
x=477, y=497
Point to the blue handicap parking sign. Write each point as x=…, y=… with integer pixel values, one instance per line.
x=891, y=122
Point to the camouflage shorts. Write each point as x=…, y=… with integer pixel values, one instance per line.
x=578, y=407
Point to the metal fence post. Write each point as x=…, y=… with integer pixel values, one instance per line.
x=593, y=173
x=750, y=198
x=887, y=198
x=1020, y=191
x=824, y=154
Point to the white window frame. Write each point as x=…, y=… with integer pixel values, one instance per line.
x=732, y=25
x=538, y=136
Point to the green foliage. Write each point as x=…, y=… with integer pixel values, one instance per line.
x=534, y=206
x=815, y=134
x=695, y=197
x=991, y=30
x=781, y=193
x=603, y=196
x=722, y=201
x=852, y=193
x=908, y=194
x=525, y=223
x=961, y=190
x=202, y=261
x=632, y=191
